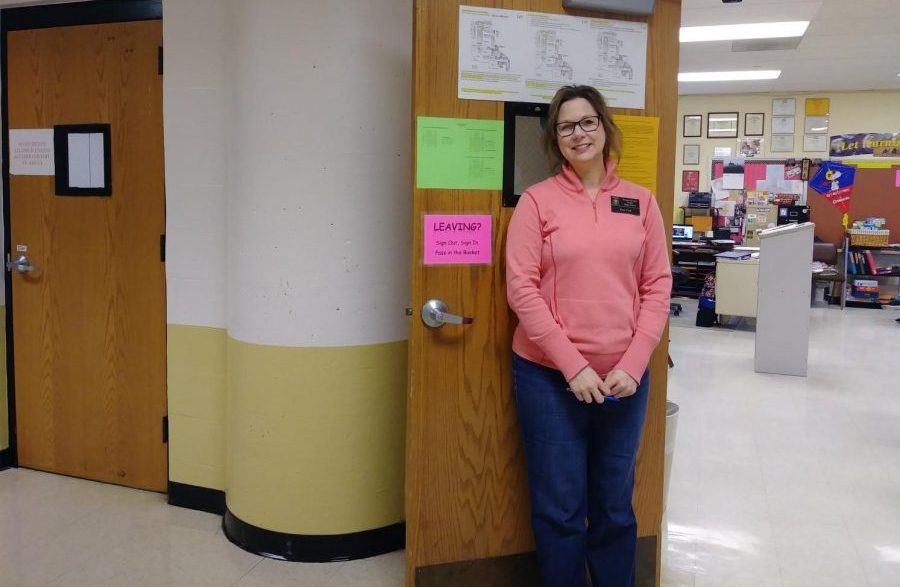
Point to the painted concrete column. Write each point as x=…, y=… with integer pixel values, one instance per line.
x=317, y=274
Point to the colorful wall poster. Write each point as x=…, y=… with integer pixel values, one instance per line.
x=640, y=149
x=457, y=239
x=459, y=153
x=835, y=182
x=880, y=144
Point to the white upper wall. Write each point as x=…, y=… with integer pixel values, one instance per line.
x=319, y=173
x=196, y=122
x=851, y=112
x=288, y=163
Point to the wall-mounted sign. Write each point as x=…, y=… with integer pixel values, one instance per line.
x=457, y=239
x=690, y=180
x=31, y=151
x=459, y=153
x=518, y=56
x=880, y=144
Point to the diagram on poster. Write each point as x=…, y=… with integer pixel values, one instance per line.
x=487, y=39
x=511, y=55
x=621, y=60
x=486, y=50
x=552, y=62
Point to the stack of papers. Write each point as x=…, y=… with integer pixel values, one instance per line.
x=734, y=255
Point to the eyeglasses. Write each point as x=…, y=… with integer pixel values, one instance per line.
x=587, y=124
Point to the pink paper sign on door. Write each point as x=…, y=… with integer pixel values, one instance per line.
x=457, y=239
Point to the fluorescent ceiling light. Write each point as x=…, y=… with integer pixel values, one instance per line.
x=729, y=76
x=734, y=32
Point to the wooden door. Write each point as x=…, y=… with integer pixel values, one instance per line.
x=89, y=323
x=467, y=510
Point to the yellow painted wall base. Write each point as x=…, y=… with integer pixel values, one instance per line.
x=4, y=399
x=196, y=393
x=316, y=436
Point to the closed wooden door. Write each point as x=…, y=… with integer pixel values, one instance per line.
x=89, y=321
x=467, y=508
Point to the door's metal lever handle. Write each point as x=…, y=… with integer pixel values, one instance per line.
x=435, y=315
x=21, y=264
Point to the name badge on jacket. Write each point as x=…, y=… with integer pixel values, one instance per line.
x=626, y=205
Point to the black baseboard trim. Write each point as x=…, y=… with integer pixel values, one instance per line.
x=516, y=570
x=521, y=570
x=197, y=498
x=5, y=459
x=645, y=567
x=323, y=548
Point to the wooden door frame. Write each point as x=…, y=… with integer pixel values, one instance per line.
x=41, y=17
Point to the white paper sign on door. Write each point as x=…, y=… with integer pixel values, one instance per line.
x=31, y=151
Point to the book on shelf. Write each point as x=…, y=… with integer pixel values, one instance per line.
x=870, y=261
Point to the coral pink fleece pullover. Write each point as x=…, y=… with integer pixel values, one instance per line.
x=590, y=285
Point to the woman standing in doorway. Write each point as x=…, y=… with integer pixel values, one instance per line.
x=588, y=276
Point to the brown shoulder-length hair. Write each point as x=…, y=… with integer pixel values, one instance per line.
x=613, y=146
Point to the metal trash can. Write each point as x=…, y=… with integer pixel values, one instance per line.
x=671, y=430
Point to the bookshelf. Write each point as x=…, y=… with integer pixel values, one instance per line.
x=856, y=262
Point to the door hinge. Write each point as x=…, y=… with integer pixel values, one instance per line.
x=159, y=59
x=165, y=429
x=162, y=248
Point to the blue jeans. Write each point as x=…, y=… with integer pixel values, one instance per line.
x=580, y=460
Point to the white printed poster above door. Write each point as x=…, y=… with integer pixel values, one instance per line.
x=518, y=56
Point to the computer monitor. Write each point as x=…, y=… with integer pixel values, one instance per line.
x=682, y=232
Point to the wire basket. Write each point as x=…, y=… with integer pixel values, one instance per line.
x=869, y=238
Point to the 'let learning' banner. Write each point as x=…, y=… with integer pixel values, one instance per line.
x=876, y=144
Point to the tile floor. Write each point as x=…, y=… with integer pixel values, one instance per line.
x=786, y=481
x=776, y=481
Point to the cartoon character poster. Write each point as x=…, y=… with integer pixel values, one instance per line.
x=835, y=182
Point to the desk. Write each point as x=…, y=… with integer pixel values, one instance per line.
x=736, y=286
x=696, y=260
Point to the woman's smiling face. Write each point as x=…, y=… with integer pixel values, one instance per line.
x=581, y=148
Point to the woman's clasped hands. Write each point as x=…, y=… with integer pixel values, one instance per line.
x=587, y=386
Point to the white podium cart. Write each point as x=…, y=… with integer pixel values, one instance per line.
x=782, y=317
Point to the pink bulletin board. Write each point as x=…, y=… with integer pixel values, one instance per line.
x=458, y=239
x=753, y=170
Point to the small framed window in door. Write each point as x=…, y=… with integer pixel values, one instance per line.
x=83, y=161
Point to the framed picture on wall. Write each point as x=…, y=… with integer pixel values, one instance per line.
x=749, y=147
x=782, y=125
x=691, y=155
x=815, y=142
x=754, y=123
x=815, y=125
x=722, y=125
x=693, y=125
x=784, y=107
x=690, y=180
x=782, y=144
